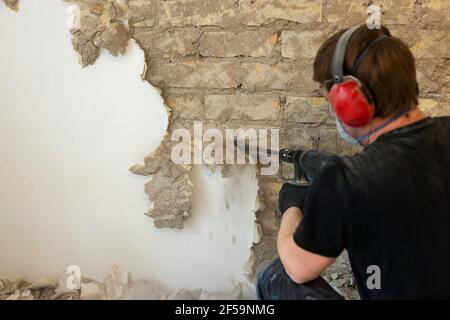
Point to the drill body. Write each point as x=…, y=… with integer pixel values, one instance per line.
x=307, y=163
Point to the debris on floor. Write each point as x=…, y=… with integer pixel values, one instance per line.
x=339, y=275
x=117, y=285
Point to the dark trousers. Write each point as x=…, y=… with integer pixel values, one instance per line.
x=275, y=284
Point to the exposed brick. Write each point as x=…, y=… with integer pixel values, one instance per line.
x=351, y=12
x=446, y=87
x=397, y=11
x=261, y=256
x=269, y=221
x=307, y=136
x=436, y=12
x=270, y=125
x=295, y=75
x=307, y=110
x=186, y=106
x=258, y=12
x=192, y=12
x=229, y=44
x=194, y=74
x=328, y=139
x=167, y=43
x=233, y=127
x=242, y=106
x=430, y=75
x=435, y=108
x=142, y=14
x=426, y=43
x=301, y=44
x=245, y=89
x=345, y=12
x=299, y=136
x=270, y=188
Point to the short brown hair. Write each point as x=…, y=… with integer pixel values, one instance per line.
x=388, y=69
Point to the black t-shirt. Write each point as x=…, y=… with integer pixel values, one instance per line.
x=389, y=206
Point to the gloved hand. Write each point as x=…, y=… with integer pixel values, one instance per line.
x=291, y=196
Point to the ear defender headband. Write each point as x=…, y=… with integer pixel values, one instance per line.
x=351, y=101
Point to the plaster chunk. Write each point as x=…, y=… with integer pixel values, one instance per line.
x=169, y=188
x=92, y=291
x=115, y=282
x=14, y=296
x=171, y=200
x=145, y=290
x=62, y=288
x=85, y=47
x=117, y=285
x=12, y=4
x=42, y=283
x=184, y=294
x=100, y=24
x=235, y=294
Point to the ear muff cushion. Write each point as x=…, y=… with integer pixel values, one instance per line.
x=350, y=104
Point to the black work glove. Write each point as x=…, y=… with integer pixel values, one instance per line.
x=291, y=196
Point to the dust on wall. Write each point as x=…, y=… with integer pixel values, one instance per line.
x=248, y=63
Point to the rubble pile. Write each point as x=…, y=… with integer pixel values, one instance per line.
x=117, y=285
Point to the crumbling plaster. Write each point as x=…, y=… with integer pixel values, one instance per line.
x=12, y=4
x=213, y=60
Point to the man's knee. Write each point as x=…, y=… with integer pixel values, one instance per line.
x=266, y=279
x=275, y=284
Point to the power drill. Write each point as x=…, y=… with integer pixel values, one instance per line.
x=307, y=163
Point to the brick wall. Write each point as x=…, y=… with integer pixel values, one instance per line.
x=235, y=63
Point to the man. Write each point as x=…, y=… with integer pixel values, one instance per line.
x=389, y=205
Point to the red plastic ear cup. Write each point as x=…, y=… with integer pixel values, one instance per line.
x=350, y=104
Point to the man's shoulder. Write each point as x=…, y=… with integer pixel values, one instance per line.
x=356, y=169
x=336, y=171
x=340, y=166
x=346, y=166
x=356, y=164
x=396, y=151
x=444, y=120
x=443, y=123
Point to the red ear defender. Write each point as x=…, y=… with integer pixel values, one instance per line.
x=350, y=103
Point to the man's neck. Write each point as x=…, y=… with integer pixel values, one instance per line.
x=411, y=117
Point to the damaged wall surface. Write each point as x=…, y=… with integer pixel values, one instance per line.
x=12, y=4
x=235, y=64
x=68, y=136
x=248, y=63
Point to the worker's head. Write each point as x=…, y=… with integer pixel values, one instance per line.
x=385, y=74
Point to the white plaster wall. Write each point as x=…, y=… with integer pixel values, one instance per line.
x=67, y=138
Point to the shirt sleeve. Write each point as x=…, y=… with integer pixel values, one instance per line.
x=323, y=227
